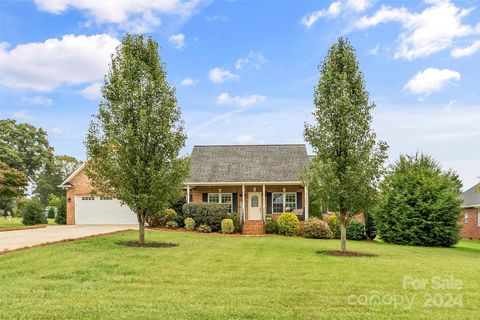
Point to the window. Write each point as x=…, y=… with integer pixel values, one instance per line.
x=290, y=201
x=465, y=217
x=221, y=198
x=278, y=204
x=254, y=202
x=88, y=198
x=106, y=198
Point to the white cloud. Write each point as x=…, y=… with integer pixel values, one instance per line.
x=22, y=115
x=375, y=50
x=332, y=11
x=92, y=91
x=178, y=40
x=358, y=5
x=247, y=139
x=38, y=100
x=432, y=30
x=431, y=80
x=57, y=131
x=243, y=101
x=44, y=66
x=189, y=81
x=219, y=75
x=137, y=16
x=255, y=59
x=467, y=51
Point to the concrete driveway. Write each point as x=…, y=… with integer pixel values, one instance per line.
x=14, y=240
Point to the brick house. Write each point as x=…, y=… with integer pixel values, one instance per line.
x=257, y=181
x=471, y=213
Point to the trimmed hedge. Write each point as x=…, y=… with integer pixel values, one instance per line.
x=334, y=225
x=171, y=225
x=189, y=224
x=271, y=227
x=61, y=216
x=160, y=218
x=317, y=229
x=235, y=217
x=288, y=224
x=227, y=226
x=356, y=230
x=33, y=213
x=204, y=213
x=203, y=228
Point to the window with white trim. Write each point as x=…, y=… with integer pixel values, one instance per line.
x=88, y=198
x=278, y=203
x=225, y=198
x=465, y=217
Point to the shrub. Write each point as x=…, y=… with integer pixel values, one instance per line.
x=227, y=226
x=171, y=225
x=203, y=228
x=370, y=228
x=178, y=219
x=420, y=204
x=334, y=225
x=51, y=213
x=160, y=218
x=33, y=213
x=235, y=217
x=61, y=217
x=356, y=230
x=189, y=224
x=271, y=227
x=210, y=214
x=288, y=224
x=317, y=229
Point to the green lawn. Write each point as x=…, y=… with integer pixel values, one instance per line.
x=16, y=223
x=214, y=277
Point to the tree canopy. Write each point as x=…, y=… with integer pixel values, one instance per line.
x=12, y=185
x=348, y=161
x=420, y=203
x=133, y=143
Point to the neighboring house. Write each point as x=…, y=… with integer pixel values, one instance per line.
x=471, y=213
x=257, y=181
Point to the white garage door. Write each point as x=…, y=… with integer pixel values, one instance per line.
x=102, y=210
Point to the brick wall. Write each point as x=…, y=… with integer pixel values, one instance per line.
x=81, y=187
x=198, y=191
x=470, y=230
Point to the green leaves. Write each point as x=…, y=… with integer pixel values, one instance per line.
x=133, y=143
x=348, y=160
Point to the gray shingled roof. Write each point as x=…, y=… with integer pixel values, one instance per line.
x=471, y=197
x=247, y=163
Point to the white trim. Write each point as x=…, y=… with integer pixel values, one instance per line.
x=243, y=202
x=305, y=206
x=242, y=183
x=284, y=197
x=70, y=177
x=188, y=194
x=472, y=206
x=220, y=198
x=264, y=204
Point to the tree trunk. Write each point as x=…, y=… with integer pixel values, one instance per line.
x=343, y=232
x=141, y=227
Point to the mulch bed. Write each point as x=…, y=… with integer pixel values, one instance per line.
x=339, y=253
x=146, y=244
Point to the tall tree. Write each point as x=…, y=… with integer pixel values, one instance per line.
x=133, y=144
x=12, y=185
x=24, y=147
x=53, y=174
x=348, y=161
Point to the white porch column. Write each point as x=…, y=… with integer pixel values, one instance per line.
x=188, y=194
x=284, y=198
x=243, y=202
x=264, y=204
x=306, y=202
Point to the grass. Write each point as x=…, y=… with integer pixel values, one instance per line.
x=16, y=223
x=214, y=277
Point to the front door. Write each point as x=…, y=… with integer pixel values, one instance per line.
x=254, y=206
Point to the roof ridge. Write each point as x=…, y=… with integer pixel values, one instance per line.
x=250, y=145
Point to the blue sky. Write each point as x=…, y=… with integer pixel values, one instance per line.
x=245, y=70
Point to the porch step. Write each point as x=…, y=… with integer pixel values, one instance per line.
x=253, y=228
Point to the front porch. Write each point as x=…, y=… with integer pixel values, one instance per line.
x=255, y=202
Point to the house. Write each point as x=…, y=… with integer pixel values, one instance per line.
x=257, y=181
x=471, y=213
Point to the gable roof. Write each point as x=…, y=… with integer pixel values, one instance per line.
x=247, y=163
x=471, y=197
x=66, y=184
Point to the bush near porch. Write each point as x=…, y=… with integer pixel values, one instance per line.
x=205, y=213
